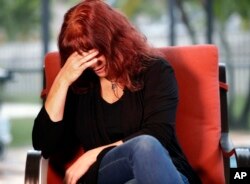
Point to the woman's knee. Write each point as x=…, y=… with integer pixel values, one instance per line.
x=147, y=143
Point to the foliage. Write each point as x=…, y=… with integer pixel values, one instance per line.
x=19, y=19
x=223, y=9
x=242, y=8
x=132, y=8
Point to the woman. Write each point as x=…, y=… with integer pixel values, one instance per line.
x=116, y=98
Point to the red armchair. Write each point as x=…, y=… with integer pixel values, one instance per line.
x=202, y=127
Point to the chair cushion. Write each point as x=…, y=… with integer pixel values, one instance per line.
x=198, y=114
x=52, y=67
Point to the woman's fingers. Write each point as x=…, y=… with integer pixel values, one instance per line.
x=83, y=56
x=88, y=64
x=88, y=57
x=83, y=53
x=77, y=63
x=75, y=172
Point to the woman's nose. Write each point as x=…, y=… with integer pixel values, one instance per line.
x=98, y=63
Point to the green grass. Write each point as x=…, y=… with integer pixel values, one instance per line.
x=237, y=109
x=21, y=131
x=238, y=105
x=21, y=99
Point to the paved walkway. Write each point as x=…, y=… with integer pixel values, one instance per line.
x=13, y=165
x=19, y=110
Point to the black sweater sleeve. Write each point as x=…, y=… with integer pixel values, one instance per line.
x=51, y=137
x=160, y=102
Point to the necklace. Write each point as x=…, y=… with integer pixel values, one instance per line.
x=113, y=86
x=115, y=89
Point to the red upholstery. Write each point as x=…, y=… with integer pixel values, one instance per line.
x=52, y=66
x=198, y=115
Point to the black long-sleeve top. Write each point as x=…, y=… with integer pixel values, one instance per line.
x=150, y=111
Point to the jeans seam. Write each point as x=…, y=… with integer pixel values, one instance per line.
x=107, y=165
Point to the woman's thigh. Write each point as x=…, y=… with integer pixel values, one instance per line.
x=134, y=159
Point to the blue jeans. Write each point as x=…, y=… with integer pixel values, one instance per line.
x=141, y=160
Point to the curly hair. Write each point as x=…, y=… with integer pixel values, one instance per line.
x=94, y=24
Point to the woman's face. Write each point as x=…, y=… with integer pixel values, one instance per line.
x=100, y=67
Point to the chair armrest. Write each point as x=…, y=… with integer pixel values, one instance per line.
x=36, y=168
x=226, y=145
x=242, y=155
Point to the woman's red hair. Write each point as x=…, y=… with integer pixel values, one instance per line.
x=94, y=24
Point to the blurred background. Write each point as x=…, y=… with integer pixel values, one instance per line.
x=29, y=29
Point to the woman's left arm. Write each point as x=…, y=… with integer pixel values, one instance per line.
x=84, y=162
x=160, y=102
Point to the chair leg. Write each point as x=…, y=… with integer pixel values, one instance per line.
x=243, y=156
x=227, y=169
x=36, y=168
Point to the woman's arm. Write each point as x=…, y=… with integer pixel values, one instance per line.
x=84, y=162
x=50, y=125
x=73, y=68
x=160, y=98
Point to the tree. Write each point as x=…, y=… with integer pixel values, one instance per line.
x=222, y=15
x=223, y=10
x=242, y=8
x=19, y=19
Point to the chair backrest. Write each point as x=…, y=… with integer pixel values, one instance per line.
x=198, y=116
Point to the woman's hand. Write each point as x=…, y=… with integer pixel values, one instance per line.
x=76, y=64
x=80, y=166
x=83, y=163
x=72, y=69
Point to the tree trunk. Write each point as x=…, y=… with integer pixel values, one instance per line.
x=186, y=21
